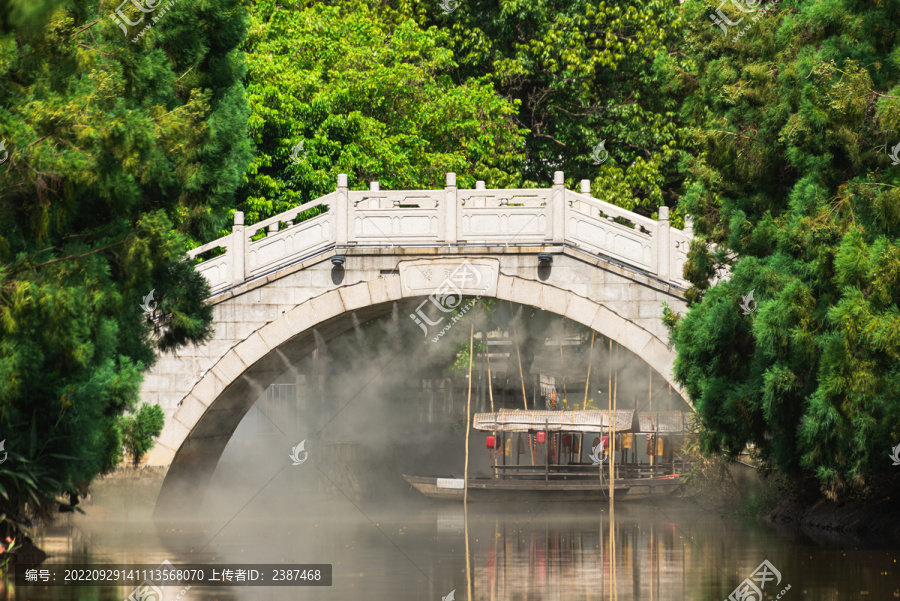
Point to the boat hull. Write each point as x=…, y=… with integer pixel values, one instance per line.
x=486, y=489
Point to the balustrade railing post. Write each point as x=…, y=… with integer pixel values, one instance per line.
x=451, y=210
x=689, y=226
x=662, y=244
x=342, y=211
x=586, y=187
x=238, y=250
x=558, y=207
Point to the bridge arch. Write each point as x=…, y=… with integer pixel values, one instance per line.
x=611, y=300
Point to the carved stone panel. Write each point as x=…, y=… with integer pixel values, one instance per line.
x=470, y=277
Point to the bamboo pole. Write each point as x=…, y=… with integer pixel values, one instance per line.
x=587, y=386
x=524, y=398
x=612, y=456
x=609, y=383
x=521, y=376
x=490, y=381
x=612, y=439
x=562, y=364
x=468, y=569
x=587, y=383
x=491, y=395
x=468, y=414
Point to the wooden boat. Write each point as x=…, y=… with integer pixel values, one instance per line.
x=570, y=481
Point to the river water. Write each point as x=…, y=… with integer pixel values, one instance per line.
x=412, y=548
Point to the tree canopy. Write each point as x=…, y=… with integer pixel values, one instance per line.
x=119, y=152
x=796, y=119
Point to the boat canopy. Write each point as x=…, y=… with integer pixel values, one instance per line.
x=626, y=420
x=663, y=421
x=554, y=421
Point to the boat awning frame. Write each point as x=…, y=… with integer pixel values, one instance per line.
x=554, y=421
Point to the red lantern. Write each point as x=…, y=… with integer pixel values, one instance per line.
x=566, y=440
x=492, y=442
x=541, y=437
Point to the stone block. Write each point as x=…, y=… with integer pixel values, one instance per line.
x=301, y=317
x=378, y=290
x=504, y=287
x=328, y=305
x=554, y=300
x=656, y=354
x=608, y=323
x=206, y=389
x=160, y=454
x=252, y=349
x=634, y=337
x=230, y=367
x=355, y=296
x=581, y=310
x=393, y=288
x=526, y=292
x=277, y=332
x=190, y=412
x=173, y=434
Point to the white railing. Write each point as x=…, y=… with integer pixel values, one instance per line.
x=554, y=216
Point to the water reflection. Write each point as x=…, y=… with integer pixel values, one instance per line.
x=541, y=552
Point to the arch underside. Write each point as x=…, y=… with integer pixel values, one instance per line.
x=201, y=428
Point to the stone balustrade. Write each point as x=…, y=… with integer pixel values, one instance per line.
x=422, y=218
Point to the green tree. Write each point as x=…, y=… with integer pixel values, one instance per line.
x=140, y=430
x=120, y=152
x=368, y=93
x=795, y=184
x=582, y=73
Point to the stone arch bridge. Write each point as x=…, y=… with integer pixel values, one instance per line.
x=371, y=250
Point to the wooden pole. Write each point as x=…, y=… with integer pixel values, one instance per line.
x=587, y=383
x=612, y=441
x=468, y=569
x=490, y=380
x=562, y=364
x=490, y=383
x=524, y=398
x=587, y=386
x=468, y=413
x=609, y=384
x=521, y=377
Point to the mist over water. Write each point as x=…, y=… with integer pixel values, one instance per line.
x=382, y=400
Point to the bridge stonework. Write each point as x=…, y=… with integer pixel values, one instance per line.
x=363, y=259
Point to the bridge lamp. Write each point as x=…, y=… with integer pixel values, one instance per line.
x=545, y=258
x=337, y=260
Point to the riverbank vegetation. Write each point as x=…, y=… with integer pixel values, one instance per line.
x=117, y=153
x=794, y=181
